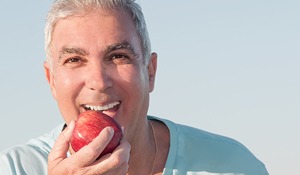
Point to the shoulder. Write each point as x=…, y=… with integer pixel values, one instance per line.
x=199, y=150
x=29, y=158
x=212, y=145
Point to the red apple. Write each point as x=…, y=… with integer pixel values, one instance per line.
x=89, y=125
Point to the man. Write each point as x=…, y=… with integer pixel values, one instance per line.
x=99, y=58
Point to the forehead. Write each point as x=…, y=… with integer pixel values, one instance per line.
x=98, y=28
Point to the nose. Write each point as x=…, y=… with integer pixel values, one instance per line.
x=98, y=78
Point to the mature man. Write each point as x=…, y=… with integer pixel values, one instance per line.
x=99, y=58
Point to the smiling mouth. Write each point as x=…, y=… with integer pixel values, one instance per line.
x=109, y=109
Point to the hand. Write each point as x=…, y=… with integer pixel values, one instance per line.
x=85, y=160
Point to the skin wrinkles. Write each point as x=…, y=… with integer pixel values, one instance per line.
x=98, y=60
x=123, y=45
x=67, y=51
x=127, y=83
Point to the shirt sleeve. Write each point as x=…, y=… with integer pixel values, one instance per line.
x=25, y=159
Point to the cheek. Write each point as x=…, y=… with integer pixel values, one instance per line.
x=64, y=83
x=67, y=87
x=135, y=100
x=136, y=85
x=134, y=79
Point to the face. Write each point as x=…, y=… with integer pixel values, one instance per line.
x=98, y=65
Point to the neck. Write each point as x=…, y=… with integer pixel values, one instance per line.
x=143, y=151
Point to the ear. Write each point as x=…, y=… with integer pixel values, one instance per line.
x=152, y=66
x=50, y=78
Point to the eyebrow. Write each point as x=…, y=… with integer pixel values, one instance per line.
x=122, y=45
x=82, y=52
x=72, y=50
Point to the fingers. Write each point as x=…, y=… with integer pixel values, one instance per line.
x=88, y=154
x=85, y=160
x=61, y=146
x=123, y=150
x=116, y=161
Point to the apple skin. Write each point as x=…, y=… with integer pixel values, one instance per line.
x=88, y=126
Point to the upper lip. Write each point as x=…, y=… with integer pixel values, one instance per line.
x=101, y=107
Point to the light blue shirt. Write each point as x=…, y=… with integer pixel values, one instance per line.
x=192, y=152
x=197, y=152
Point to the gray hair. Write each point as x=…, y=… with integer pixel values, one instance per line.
x=62, y=9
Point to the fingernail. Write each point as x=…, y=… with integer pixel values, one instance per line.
x=110, y=130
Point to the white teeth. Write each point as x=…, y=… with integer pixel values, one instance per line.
x=102, y=108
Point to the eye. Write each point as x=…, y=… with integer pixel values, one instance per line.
x=120, y=59
x=72, y=60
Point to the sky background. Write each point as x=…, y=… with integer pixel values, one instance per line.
x=229, y=67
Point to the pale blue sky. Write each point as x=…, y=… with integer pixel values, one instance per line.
x=228, y=67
